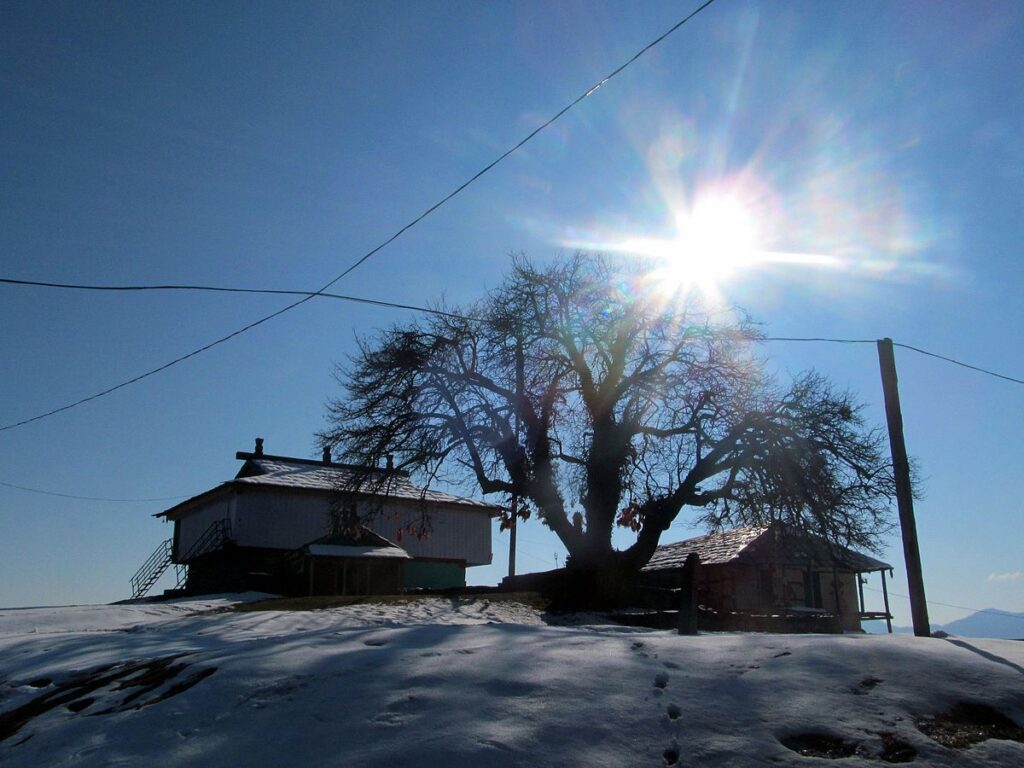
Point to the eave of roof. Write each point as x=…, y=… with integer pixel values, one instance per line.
x=172, y=512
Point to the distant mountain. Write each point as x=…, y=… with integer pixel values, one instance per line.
x=988, y=622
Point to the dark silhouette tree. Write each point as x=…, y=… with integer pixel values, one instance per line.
x=575, y=387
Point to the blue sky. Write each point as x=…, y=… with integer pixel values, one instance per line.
x=270, y=145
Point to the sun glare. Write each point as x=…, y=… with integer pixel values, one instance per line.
x=714, y=240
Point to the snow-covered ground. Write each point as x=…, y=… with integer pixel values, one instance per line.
x=470, y=682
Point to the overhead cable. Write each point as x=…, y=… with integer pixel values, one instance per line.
x=86, y=498
x=957, y=362
x=414, y=308
x=373, y=251
x=993, y=612
x=230, y=289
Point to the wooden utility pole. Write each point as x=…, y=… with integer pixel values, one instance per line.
x=904, y=492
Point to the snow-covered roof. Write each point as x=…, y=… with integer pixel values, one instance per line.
x=713, y=548
x=361, y=543
x=334, y=550
x=753, y=543
x=316, y=476
x=267, y=471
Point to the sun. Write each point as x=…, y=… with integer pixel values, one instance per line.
x=715, y=240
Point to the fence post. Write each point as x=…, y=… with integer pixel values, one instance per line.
x=688, y=595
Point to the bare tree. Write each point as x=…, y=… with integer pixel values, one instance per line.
x=625, y=408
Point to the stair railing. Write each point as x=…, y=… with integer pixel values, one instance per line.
x=152, y=569
x=214, y=537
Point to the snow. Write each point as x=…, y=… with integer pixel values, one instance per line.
x=336, y=550
x=471, y=682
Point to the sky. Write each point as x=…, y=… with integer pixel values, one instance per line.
x=877, y=146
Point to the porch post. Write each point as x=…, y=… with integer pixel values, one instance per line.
x=835, y=595
x=885, y=597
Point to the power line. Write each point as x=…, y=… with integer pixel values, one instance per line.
x=307, y=295
x=960, y=607
x=920, y=351
x=817, y=338
x=86, y=498
x=230, y=289
x=373, y=251
x=957, y=362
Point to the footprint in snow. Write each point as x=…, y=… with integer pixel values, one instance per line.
x=671, y=754
x=375, y=642
x=661, y=680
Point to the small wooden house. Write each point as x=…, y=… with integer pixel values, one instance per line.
x=274, y=528
x=773, y=572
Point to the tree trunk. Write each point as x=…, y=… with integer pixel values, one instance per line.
x=603, y=584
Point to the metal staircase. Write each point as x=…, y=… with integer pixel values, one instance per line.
x=213, y=538
x=152, y=569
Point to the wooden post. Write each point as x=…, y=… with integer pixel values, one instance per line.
x=835, y=596
x=688, y=595
x=860, y=590
x=885, y=598
x=512, y=537
x=520, y=386
x=311, y=562
x=904, y=492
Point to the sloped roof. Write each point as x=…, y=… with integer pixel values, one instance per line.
x=267, y=471
x=298, y=473
x=364, y=543
x=752, y=543
x=713, y=548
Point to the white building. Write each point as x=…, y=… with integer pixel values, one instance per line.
x=285, y=524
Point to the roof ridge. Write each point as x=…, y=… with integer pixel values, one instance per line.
x=246, y=456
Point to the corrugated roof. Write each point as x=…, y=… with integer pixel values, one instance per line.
x=751, y=542
x=283, y=473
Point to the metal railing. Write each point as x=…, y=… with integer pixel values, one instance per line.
x=213, y=538
x=152, y=569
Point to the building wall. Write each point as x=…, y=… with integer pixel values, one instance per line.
x=455, y=533
x=281, y=519
x=793, y=589
x=421, y=574
x=192, y=527
x=762, y=587
x=354, y=576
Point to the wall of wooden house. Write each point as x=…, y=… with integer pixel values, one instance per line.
x=190, y=528
x=456, y=533
x=759, y=587
x=281, y=519
x=354, y=576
